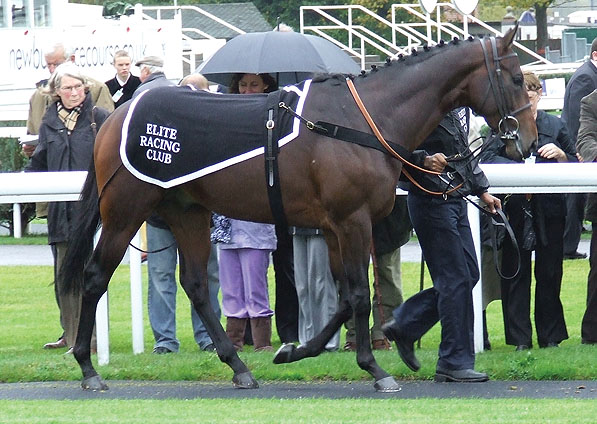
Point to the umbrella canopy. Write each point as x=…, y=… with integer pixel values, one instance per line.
x=290, y=57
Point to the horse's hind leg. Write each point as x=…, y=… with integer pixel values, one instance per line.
x=190, y=225
x=106, y=257
x=122, y=212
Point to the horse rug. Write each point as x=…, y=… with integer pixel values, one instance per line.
x=172, y=135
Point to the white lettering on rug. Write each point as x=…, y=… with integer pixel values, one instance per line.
x=160, y=143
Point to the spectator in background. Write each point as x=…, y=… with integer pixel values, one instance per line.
x=66, y=140
x=124, y=84
x=541, y=216
x=197, y=81
x=244, y=249
x=161, y=264
x=287, y=304
x=41, y=100
x=315, y=286
x=151, y=74
x=587, y=149
x=581, y=84
x=39, y=103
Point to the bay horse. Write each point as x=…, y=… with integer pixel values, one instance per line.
x=326, y=183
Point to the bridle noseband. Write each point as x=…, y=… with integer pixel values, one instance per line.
x=496, y=83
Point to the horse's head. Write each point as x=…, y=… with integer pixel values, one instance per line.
x=500, y=96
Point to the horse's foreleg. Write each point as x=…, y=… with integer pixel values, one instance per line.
x=291, y=353
x=354, y=238
x=194, y=246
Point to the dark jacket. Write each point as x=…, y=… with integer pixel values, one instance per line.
x=58, y=151
x=586, y=144
x=449, y=138
x=127, y=89
x=582, y=83
x=394, y=230
x=550, y=129
x=157, y=79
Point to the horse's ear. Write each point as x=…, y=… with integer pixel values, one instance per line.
x=509, y=36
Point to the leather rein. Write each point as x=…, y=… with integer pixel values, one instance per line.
x=496, y=84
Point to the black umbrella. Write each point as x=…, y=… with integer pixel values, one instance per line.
x=291, y=57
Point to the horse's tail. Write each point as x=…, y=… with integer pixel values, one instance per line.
x=80, y=245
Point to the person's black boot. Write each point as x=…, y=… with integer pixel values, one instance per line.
x=406, y=349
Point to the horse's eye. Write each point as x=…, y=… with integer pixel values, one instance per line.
x=518, y=80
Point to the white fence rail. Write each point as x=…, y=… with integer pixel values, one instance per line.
x=538, y=178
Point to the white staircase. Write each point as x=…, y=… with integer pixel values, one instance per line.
x=359, y=31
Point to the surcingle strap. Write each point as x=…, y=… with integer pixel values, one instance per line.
x=272, y=176
x=358, y=137
x=348, y=134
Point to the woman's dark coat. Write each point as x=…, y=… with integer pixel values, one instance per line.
x=58, y=151
x=550, y=129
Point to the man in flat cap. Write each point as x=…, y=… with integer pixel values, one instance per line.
x=151, y=74
x=161, y=264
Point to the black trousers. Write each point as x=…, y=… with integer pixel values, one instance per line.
x=286, y=308
x=516, y=292
x=575, y=206
x=589, y=320
x=445, y=237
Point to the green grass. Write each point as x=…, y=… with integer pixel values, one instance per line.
x=263, y=411
x=29, y=318
x=41, y=239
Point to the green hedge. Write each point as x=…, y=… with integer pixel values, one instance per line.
x=12, y=160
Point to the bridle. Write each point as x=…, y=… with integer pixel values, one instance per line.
x=496, y=84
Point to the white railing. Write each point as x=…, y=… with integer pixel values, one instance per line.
x=29, y=187
x=539, y=178
x=192, y=60
x=359, y=26
x=179, y=9
x=447, y=27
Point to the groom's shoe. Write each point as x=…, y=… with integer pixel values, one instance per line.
x=460, y=376
x=406, y=349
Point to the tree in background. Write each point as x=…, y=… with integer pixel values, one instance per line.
x=12, y=160
x=540, y=16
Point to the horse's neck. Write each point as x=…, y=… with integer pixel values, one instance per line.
x=410, y=101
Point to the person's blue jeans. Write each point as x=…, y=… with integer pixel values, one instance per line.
x=446, y=241
x=162, y=289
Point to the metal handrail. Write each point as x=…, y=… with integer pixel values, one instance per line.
x=159, y=9
x=415, y=37
x=190, y=60
x=411, y=8
x=365, y=36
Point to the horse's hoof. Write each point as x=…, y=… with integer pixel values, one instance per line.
x=94, y=383
x=245, y=380
x=387, y=385
x=284, y=354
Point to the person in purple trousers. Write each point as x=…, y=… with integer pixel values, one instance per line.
x=244, y=251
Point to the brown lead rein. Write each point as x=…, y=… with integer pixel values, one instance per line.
x=367, y=116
